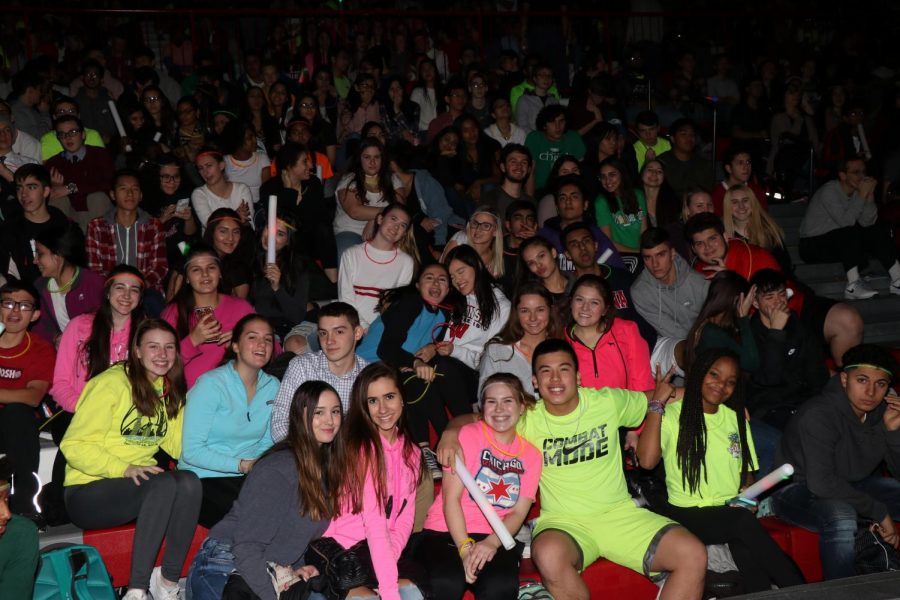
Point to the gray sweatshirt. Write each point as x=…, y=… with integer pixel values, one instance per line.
x=670, y=309
x=830, y=449
x=830, y=209
x=265, y=523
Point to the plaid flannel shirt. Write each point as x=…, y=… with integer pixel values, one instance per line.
x=151, y=248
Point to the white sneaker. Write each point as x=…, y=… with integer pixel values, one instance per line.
x=431, y=463
x=895, y=287
x=159, y=591
x=858, y=290
x=135, y=594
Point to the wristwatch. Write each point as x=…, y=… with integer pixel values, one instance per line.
x=72, y=187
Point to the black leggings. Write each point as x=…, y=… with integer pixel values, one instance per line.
x=219, y=493
x=759, y=559
x=453, y=390
x=499, y=580
x=851, y=245
x=165, y=506
x=19, y=440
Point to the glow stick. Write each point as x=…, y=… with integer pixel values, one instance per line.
x=490, y=514
x=121, y=128
x=769, y=481
x=605, y=256
x=273, y=229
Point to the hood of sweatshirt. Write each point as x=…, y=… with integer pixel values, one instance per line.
x=676, y=305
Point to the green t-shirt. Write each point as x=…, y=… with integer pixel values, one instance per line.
x=582, y=473
x=625, y=228
x=545, y=152
x=723, y=458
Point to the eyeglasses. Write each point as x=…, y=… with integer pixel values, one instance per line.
x=151, y=99
x=307, y=105
x=67, y=134
x=92, y=75
x=24, y=306
x=170, y=178
x=64, y=111
x=482, y=225
x=478, y=85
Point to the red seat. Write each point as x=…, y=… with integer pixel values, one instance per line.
x=800, y=544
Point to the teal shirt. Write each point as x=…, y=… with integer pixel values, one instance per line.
x=221, y=427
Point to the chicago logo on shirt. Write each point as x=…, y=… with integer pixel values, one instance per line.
x=140, y=430
x=499, y=480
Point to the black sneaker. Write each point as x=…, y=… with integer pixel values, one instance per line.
x=431, y=463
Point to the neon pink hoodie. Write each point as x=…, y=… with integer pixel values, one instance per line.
x=621, y=359
x=71, y=370
x=387, y=534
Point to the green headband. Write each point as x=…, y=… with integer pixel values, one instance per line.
x=870, y=366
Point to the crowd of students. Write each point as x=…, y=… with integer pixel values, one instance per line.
x=451, y=262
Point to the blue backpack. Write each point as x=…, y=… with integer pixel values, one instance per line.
x=72, y=572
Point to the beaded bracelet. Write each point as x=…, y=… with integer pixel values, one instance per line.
x=657, y=407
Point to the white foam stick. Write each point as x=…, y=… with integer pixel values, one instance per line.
x=121, y=128
x=489, y=513
x=769, y=481
x=273, y=229
x=605, y=256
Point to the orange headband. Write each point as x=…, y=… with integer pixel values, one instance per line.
x=224, y=218
x=216, y=155
x=121, y=276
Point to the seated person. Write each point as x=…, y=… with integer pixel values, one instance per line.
x=668, y=294
x=217, y=192
x=738, y=165
x=520, y=225
x=792, y=364
x=586, y=511
x=228, y=416
x=515, y=167
x=337, y=363
x=837, y=443
x=233, y=242
x=707, y=448
x=684, y=167
x=621, y=211
x=128, y=235
x=18, y=543
x=649, y=145
x=841, y=224
x=838, y=323
x=85, y=172
x=26, y=370
x=484, y=234
x=745, y=219
x=61, y=107
x=581, y=249
x=549, y=141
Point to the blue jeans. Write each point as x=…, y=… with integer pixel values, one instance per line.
x=765, y=439
x=834, y=520
x=209, y=572
x=344, y=241
x=407, y=592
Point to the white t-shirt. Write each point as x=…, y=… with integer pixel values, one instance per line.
x=248, y=172
x=366, y=271
x=342, y=221
x=205, y=202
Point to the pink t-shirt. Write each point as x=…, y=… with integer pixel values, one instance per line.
x=502, y=476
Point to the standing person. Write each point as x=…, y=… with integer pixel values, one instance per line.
x=462, y=548
x=202, y=315
x=285, y=503
x=362, y=193
x=371, y=267
x=622, y=211
x=18, y=543
x=610, y=350
x=706, y=446
x=836, y=443
x=382, y=466
x=586, y=511
x=26, y=371
x=531, y=321
x=67, y=287
x=124, y=416
x=841, y=223
x=217, y=191
x=337, y=364
x=128, y=235
x=228, y=417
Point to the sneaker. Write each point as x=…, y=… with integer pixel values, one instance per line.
x=160, y=591
x=895, y=287
x=431, y=463
x=858, y=290
x=135, y=594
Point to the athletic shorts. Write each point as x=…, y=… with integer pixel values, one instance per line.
x=625, y=534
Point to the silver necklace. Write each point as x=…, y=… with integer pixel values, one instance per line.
x=577, y=423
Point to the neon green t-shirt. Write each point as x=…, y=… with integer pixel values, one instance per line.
x=50, y=146
x=625, y=228
x=640, y=150
x=723, y=458
x=582, y=473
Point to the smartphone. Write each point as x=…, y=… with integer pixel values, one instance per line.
x=201, y=311
x=182, y=204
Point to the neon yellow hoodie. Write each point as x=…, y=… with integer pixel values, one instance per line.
x=107, y=433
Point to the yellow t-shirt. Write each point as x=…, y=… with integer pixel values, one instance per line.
x=107, y=433
x=723, y=458
x=582, y=473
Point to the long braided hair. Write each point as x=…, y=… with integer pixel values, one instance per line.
x=691, y=446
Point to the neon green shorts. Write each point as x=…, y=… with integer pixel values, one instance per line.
x=625, y=534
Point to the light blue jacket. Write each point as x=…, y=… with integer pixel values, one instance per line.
x=220, y=427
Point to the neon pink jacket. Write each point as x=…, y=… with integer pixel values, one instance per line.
x=621, y=359
x=387, y=534
x=71, y=370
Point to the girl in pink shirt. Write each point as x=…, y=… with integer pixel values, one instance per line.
x=461, y=547
x=384, y=466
